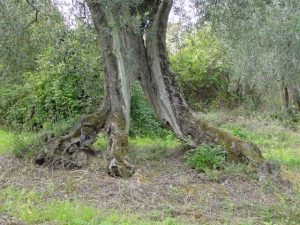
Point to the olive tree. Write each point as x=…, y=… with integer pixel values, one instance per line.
x=263, y=38
x=132, y=38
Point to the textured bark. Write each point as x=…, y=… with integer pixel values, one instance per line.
x=291, y=98
x=142, y=55
x=296, y=97
x=286, y=98
x=171, y=107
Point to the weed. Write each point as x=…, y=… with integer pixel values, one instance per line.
x=206, y=157
x=30, y=207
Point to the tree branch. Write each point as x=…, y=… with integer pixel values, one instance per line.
x=35, y=20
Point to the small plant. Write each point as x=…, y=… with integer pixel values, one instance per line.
x=238, y=132
x=206, y=157
x=27, y=145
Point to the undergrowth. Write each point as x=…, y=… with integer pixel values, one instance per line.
x=206, y=157
x=278, y=143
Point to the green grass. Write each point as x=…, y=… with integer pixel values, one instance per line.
x=278, y=143
x=33, y=208
x=19, y=144
x=169, y=141
x=6, y=142
x=145, y=148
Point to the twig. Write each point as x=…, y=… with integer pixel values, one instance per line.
x=35, y=20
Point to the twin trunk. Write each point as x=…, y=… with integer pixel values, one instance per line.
x=129, y=55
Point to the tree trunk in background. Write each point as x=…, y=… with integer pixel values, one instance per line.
x=296, y=97
x=286, y=98
x=128, y=56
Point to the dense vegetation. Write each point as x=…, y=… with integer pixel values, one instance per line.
x=238, y=67
x=231, y=61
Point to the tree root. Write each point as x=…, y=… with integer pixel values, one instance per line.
x=72, y=150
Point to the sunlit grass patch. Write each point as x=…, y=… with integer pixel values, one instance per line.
x=130, y=219
x=145, y=148
x=32, y=208
x=287, y=156
x=19, y=144
x=6, y=142
x=29, y=206
x=169, y=141
x=278, y=143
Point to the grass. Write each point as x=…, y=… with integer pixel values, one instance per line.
x=206, y=157
x=144, y=148
x=6, y=142
x=234, y=194
x=19, y=144
x=33, y=208
x=278, y=143
x=170, y=141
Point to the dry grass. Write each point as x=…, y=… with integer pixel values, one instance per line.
x=161, y=189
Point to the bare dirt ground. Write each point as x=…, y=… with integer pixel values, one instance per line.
x=166, y=187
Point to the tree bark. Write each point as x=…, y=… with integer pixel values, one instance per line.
x=286, y=98
x=129, y=54
x=171, y=107
x=296, y=97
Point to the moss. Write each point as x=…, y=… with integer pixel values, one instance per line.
x=238, y=150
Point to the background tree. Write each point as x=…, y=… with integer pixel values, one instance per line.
x=263, y=41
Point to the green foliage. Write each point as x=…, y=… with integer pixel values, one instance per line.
x=144, y=122
x=263, y=46
x=238, y=132
x=21, y=39
x=68, y=81
x=6, y=141
x=206, y=157
x=27, y=144
x=202, y=67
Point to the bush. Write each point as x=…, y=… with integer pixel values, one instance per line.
x=144, y=122
x=67, y=82
x=202, y=69
x=206, y=157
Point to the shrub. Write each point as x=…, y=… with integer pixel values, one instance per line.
x=206, y=157
x=202, y=69
x=67, y=82
x=144, y=122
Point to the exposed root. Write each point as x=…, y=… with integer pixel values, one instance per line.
x=72, y=150
x=121, y=168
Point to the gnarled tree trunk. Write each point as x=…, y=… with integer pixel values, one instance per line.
x=128, y=54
